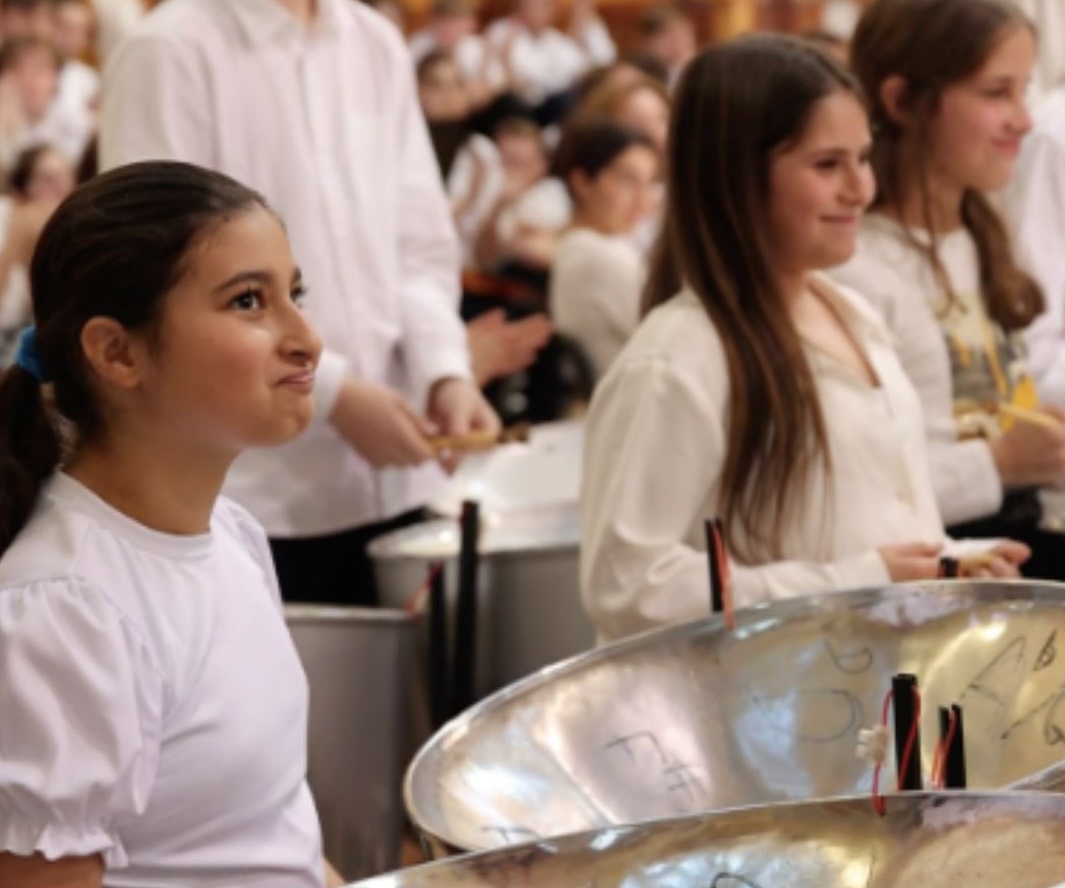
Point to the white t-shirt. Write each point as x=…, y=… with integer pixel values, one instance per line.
x=655, y=445
x=596, y=281
x=154, y=707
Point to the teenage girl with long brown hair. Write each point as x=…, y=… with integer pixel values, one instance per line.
x=756, y=391
x=947, y=82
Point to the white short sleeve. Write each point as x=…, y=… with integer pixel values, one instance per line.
x=81, y=704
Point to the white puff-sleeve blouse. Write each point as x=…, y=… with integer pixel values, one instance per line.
x=153, y=709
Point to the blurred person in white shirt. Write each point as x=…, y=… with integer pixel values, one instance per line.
x=452, y=28
x=469, y=161
x=41, y=177
x=668, y=34
x=72, y=33
x=31, y=108
x=315, y=106
x=519, y=235
x=597, y=275
x=542, y=63
x=25, y=18
x=473, y=173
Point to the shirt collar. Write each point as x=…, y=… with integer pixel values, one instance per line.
x=263, y=20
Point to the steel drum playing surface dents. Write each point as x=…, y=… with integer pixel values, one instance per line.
x=993, y=840
x=695, y=718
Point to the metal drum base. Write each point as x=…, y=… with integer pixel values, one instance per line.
x=359, y=664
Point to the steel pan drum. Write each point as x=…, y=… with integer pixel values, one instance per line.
x=994, y=840
x=530, y=612
x=695, y=718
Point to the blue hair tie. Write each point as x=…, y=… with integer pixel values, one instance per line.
x=27, y=357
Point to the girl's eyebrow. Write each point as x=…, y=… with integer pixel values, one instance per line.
x=256, y=276
x=246, y=277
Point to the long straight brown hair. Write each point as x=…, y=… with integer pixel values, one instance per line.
x=932, y=44
x=737, y=105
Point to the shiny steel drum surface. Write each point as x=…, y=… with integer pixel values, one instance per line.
x=994, y=840
x=359, y=665
x=694, y=718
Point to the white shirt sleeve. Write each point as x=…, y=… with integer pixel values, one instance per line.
x=434, y=344
x=155, y=105
x=81, y=699
x=1037, y=204
x=655, y=448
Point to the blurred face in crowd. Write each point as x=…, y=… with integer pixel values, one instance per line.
x=645, y=111
x=621, y=194
x=536, y=15
x=523, y=159
x=32, y=21
x=450, y=29
x=819, y=186
x=675, y=44
x=52, y=178
x=443, y=92
x=73, y=24
x=34, y=77
x=976, y=131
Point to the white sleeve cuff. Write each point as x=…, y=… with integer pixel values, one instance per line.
x=329, y=377
x=429, y=366
x=966, y=481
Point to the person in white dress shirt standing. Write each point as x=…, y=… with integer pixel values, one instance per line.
x=154, y=706
x=755, y=391
x=313, y=103
x=115, y=21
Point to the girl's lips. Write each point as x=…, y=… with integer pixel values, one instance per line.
x=302, y=380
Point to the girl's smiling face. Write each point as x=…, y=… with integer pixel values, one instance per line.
x=819, y=186
x=976, y=131
x=232, y=363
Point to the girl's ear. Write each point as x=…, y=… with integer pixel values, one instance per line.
x=579, y=184
x=893, y=99
x=113, y=355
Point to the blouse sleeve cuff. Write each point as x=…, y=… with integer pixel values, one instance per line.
x=54, y=841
